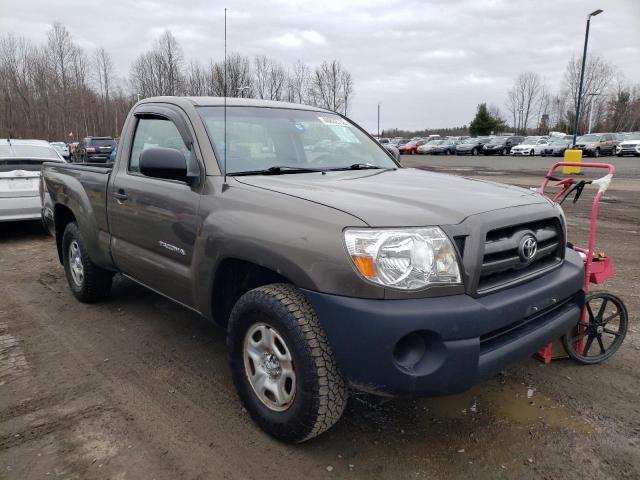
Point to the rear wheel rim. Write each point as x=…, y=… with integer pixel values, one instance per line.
x=75, y=263
x=269, y=367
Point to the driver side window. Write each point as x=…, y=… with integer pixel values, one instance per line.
x=155, y=132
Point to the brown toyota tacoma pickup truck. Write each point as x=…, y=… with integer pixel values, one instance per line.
x=330, y=265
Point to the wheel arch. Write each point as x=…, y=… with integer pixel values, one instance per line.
x=63, y=216
x=234, y=277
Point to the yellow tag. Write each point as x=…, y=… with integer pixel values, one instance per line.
x=574, y=156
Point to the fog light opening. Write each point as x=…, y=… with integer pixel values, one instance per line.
x=409, y=350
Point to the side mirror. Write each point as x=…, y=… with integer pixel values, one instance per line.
x=161, y=162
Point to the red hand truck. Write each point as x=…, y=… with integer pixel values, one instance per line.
x=604, y=321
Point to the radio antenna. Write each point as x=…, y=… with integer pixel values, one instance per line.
x=225, y=95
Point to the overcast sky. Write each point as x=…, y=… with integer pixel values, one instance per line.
x=428, y=63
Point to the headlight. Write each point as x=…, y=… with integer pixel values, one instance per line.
x=407, y=258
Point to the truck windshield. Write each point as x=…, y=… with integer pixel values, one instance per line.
x=259, y=139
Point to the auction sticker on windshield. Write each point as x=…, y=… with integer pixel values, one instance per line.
x=334, y=120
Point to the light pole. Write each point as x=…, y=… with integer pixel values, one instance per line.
x=378, y=120
x=591, y=107
x=584, y=60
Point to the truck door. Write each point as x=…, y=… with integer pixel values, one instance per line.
x=153, y=221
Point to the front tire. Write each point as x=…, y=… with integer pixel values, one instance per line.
x=88, y=282
x=282, y=364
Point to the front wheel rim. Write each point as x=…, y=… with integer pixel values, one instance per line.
x=75, y=263
x=269, y=367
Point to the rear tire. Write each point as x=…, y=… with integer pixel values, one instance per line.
x=314, y=394
x=88, y=282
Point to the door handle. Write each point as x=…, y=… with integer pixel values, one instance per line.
x=120, y=195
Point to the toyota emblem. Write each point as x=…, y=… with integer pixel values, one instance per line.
x=527, y=248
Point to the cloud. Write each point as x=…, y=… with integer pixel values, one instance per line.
x=428, y=63
x=297, y=39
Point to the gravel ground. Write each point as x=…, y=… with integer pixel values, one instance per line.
x=139, y=388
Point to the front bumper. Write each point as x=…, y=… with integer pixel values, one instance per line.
x=19, y=208
x=444, y=345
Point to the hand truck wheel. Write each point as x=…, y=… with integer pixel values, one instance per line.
x=601, y=333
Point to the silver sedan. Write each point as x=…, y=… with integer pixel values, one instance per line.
x=20, y=163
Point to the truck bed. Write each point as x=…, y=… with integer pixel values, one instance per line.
x=83, y=189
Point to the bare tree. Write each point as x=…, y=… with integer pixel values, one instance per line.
x=298, y=82
x=103, y=71
x=159, y=71
x=327, y=86
x=346, y=89
x=61, y=52
x=598, y=73
x=195, y=81
x=270, y=78
x=522, y=99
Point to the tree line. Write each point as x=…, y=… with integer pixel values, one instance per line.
x=609, y=102
x=58, y=91
x=531, y=107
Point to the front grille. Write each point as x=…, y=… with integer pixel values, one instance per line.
x=501, y=262
x=628, y=147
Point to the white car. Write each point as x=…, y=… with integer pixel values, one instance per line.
x=428, y=147
x=530, y=146
x=62, y=149
x=20, y=164
x=629, y=146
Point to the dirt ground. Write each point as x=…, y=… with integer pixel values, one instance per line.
x=139, y=388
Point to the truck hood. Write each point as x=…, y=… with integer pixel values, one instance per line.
x=403, y=197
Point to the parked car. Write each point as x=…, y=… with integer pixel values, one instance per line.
x=556, y=146
x=630, y=146
x=61, y=148
x=383, y=141
x=596, y=144
x=530, y=146
x=95, y=149
x=393, y=150
x=471, y=146
x=445, y=147
x=20, y=164
x=501, y=145
x=428, y=147
x=411, y=147
x=313, y=262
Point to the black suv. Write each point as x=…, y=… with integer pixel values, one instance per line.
x=95, y=149
x=501, y=145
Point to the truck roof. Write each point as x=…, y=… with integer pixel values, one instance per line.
x=231, y=102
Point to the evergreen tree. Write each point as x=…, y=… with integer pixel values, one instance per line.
x=484, y=123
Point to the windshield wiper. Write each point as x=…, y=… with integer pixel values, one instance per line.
x=277, y=170
x=362, y=166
